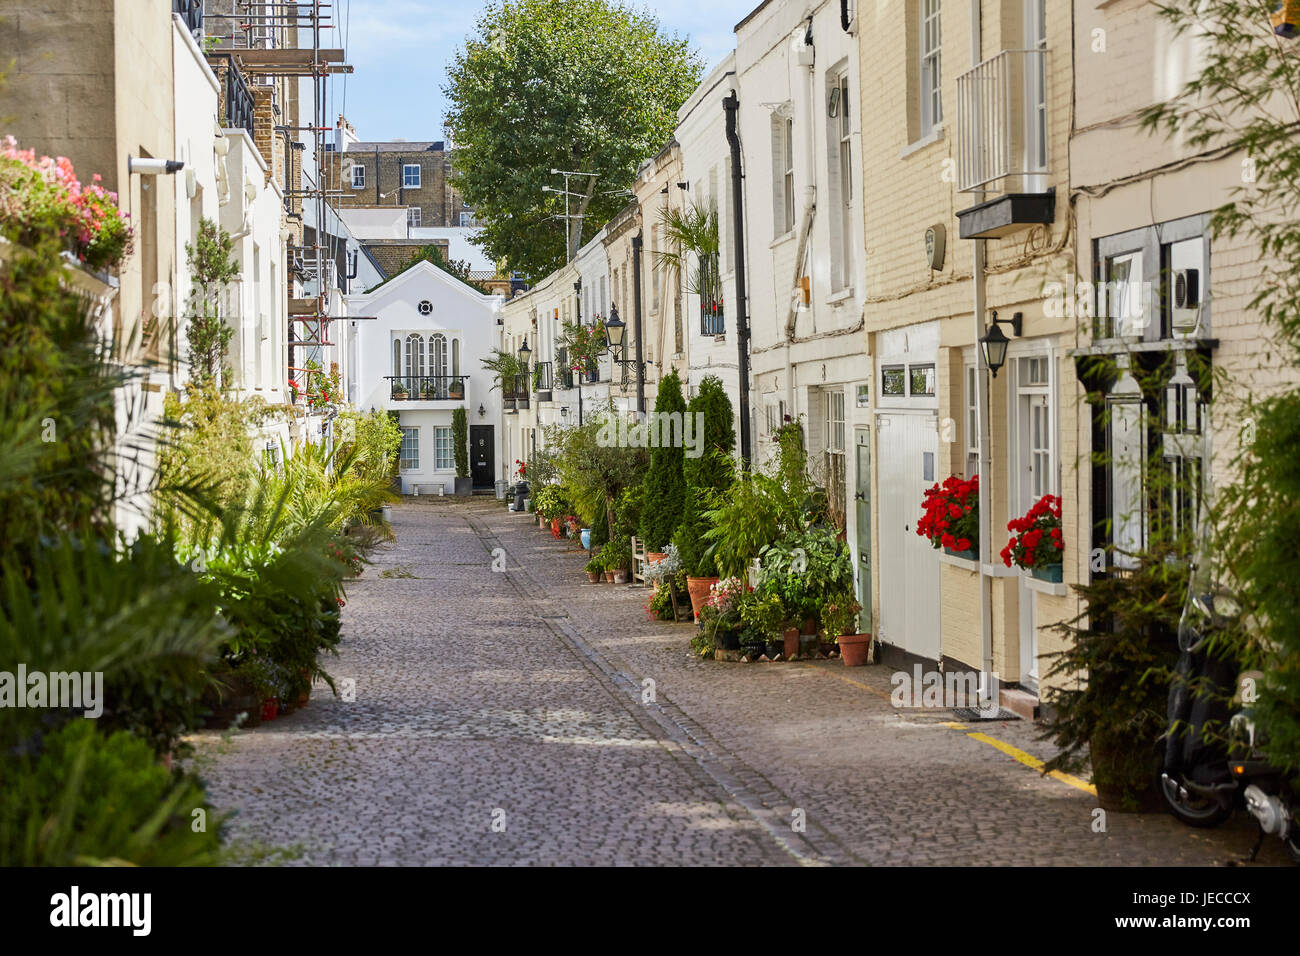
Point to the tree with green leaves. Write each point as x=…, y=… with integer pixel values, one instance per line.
x=213, y=268
x=460, y=441
x=665, y=485
x=711, y=472
x=433, y=254
x=591, y=86
x=1245, y=98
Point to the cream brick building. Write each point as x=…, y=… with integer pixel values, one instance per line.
x=968, y=118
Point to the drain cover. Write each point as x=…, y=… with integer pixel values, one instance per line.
x=972, y=715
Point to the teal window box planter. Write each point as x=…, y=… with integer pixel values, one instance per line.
x=971, y=555
x=1050, y=573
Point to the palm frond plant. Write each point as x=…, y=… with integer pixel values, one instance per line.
x=505, y=368
x=690, y=241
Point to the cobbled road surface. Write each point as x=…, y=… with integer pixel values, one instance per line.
x=523, y=716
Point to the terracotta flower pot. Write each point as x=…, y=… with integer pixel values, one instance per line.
x=609, y=577
x=654, y=557
x=791, y=638
x=620, y=575
x=593, y=577
x=854, y=649
x=698, y=589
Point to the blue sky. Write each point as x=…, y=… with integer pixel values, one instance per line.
x=400, y=50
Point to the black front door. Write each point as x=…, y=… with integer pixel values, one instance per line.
x=482, y=462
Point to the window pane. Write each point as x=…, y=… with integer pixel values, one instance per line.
x=922, y=379
x=410, y=454
x=893, y=380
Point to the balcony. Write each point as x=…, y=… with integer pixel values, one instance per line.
x=543, y=381
x=1002, y=134
x=712, y=319
x=237, y=105
x=426, y=388
x=191, y=14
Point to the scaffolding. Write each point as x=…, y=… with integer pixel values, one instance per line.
x=285, y=41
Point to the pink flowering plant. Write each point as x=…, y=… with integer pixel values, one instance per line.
x=40, y=197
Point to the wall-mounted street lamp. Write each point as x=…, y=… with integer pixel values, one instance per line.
x=525, y=353
x=993, y=343
x=482, y=412
x=615, y=341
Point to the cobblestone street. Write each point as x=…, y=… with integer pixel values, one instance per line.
x=516, y=698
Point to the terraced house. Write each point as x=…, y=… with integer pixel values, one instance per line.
x=965, y=183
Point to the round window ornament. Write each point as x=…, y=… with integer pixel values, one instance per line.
x=425, y=307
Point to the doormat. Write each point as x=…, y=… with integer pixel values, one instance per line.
x=971, y=715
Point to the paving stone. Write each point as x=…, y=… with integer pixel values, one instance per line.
x=508, y=718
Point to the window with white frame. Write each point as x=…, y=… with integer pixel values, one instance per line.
x=972, y=422
x=411, y=176
x=833, y=451
x=410, y=452
x=444, y=457
x=1036, y=118
x=931, y=77
x=438, y=354
x=782, y=174
x=413, y=217
x=841, y=170
x=358, y=176
x=1035, y=413
x=414, y=356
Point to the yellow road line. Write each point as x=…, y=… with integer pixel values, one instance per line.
x=848, y=680
x=1029, y=760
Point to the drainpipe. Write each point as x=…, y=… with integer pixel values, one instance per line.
x=982, y=421
x=378, y=196
x=729, y=106
x=636, y=318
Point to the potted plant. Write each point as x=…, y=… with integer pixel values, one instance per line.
x=1126, y=642
x=723, y=618
x=400, y=392
x=456, y=390
x=618, y=556
x=662, y=571
x=427, y=390
x=766, y=615
x=951, y=517
x=839, y=617
x=464, y=484
x=594, y=568
x=1036, y=544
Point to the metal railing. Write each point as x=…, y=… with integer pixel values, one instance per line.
x=426, y=388
x=1001, y=119
x=191, y=12
x=238, y=97
x=542, y=379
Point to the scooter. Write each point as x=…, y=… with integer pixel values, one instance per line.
x=1213, y=759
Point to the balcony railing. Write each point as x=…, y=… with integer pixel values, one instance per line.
x=238, y=97
x=542, y=379
x=1002, y=120
x=712, y=320
x=191, y=12
x=426, y=388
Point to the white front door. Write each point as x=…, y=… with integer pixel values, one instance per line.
x=907, y=457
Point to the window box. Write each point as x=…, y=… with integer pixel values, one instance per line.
x=1007, y=214
x=1052, y=573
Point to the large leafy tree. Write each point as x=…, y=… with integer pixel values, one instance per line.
x=590, y=86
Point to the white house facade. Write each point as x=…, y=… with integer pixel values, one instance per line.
x=421, y=338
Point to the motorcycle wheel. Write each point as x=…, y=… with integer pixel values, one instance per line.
x=1193, y=809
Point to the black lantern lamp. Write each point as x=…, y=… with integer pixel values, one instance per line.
x=994, y=343
x=615, y=332
x=525, y=353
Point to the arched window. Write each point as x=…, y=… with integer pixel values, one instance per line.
x=414, y=359
x=455, y=356
x=397, y=356
x=438, y=354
